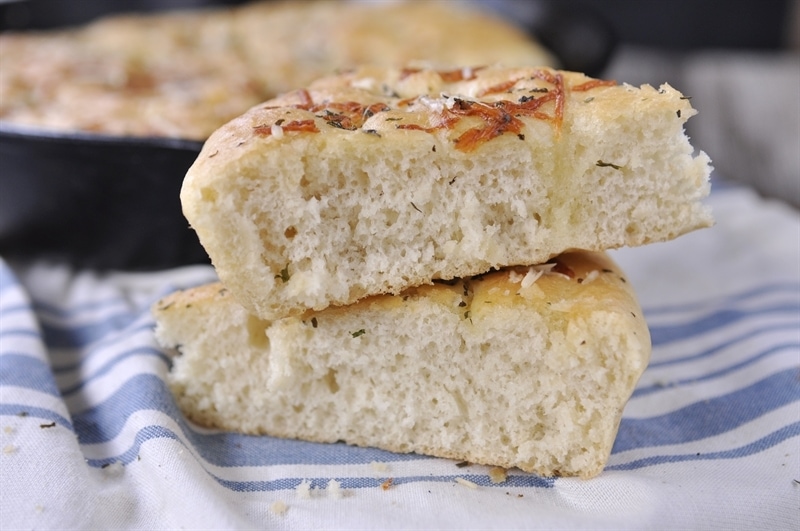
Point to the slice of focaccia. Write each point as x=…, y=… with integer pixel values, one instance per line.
x=381, y=179
x=525, y=367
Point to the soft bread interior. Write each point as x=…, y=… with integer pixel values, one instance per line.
x=296, y=219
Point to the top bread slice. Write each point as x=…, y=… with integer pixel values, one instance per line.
x=380, y=179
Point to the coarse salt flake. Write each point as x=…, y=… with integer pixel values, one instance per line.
x=276, y=131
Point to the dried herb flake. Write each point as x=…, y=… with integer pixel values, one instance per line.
x=607, y=165
x=284, y=274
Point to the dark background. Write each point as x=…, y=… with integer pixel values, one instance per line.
x=677, y=24
x=583, y=34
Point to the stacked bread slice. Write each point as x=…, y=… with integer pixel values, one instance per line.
x=412, y=259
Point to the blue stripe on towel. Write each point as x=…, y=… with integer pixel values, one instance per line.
x=710, y=417
x=24, y=410
x=758, y=332
x=782, y=288
x=368, y=455
x=724, y=371
x=663, y=334
x=22, y=370
x=764, y=443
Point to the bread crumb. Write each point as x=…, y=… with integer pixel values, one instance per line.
x=114, y=469
x=9, y=449
x=378, y=467
x=387, y=484
x=498, y=474
x=467, y=483
x=303, y=490
x=278, y=507
x=8, y=429
x=334, y=489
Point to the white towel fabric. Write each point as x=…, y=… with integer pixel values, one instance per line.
x=91, y=437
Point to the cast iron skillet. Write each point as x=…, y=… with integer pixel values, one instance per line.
x=95, y=201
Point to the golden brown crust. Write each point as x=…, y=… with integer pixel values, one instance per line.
x=571, y=285
x=574, y=282
x=465, y=110
x=468, y=107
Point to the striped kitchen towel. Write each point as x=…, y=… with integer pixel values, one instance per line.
x=91, y=437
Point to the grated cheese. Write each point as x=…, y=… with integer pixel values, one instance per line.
x=591, y=276
x=531, y=277
x=434, y=104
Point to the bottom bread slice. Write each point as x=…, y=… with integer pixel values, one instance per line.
x=526, y=367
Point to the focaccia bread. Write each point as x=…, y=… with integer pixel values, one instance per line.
x=290, y=44
x=167, y=75
x=185, y=73
x=525, y=367
x=381, y=179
